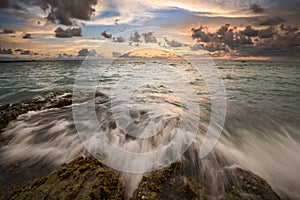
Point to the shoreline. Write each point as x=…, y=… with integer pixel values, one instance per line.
x=159, y=183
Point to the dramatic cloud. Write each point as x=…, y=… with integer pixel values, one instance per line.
x=249, y=31
x=135, y=37
x=6, y=4
x=173, y=43
x=288, y=29
x=255, y=8
x=212, y=47
x=68, y=33
x=66, y=12
x=27, y=36
x=86, y=52
x=119, y=39
x=266, y=33
x=223, y=29
x=283, y=40
x=6, y=51
x=270, y=21
x=8, y=31
x=200, y=35
x=149, y=37
x=106, y=35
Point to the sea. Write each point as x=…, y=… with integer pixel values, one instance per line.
x=260, y=130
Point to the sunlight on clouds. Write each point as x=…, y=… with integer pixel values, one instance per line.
x=178, y=15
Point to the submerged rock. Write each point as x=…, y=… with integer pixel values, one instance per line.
x=83, y=178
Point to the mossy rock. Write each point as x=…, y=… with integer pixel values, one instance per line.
x=172, y=182
x=168, y=183
x=243, y=184
x=87, y=178
x=83, y=178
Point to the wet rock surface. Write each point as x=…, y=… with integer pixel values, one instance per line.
x=171, y=183
x=88, y=178
x=20, y=172
x=83, y=178
x=9, y=112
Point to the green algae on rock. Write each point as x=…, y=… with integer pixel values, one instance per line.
x=83, y=178
x=171, y=183
x=88, y=178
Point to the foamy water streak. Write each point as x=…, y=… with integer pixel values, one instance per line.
x=261, y=132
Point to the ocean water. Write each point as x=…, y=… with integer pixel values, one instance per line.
x=261, y=130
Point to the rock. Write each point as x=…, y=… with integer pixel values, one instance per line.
x=87, y=178
x=243, y=184
x=9, y=112
x=83, y=178
x=172, y=183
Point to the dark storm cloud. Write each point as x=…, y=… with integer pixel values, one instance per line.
x=6, y=51
x=68, y=33
x=223, y=29
x=149, y=37
x=269, y=21
x=215, y=46
x=6, y=4
x=27, y=36
x=106, y=35
x=200, y=35
x=173, y=43
x=249, y=31
x=65, y=12
x=277, y=46
x=8, y=31
x=135, y=37
x=283, y=40
x=288, y=29
x=255, y=8
x=86, y=52
x=266, y=33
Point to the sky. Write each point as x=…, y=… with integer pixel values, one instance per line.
x=59, y=29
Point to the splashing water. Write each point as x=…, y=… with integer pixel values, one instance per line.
x=262, y=136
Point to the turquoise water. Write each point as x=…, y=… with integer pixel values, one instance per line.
x=261, y=131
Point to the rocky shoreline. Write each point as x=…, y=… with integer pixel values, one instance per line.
x=88, y=178
x=9, y=112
